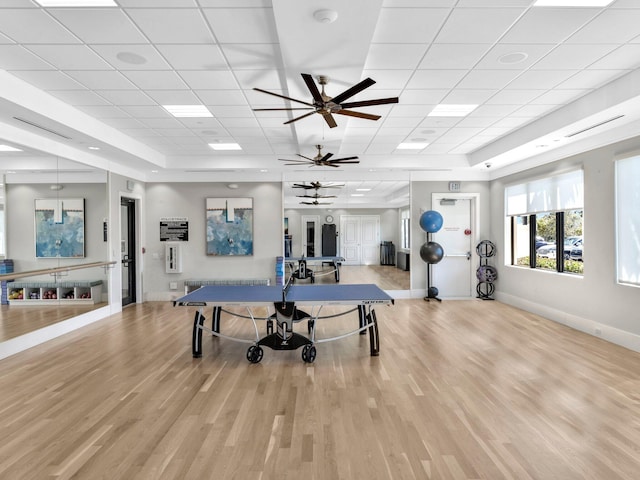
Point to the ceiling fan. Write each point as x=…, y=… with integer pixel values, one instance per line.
x=317, y=185
x=326, y=105
x=321, y=160
x=315, y=202
x=316, y=196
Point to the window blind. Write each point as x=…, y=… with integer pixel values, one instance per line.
x=550, y=194
x=628, y=220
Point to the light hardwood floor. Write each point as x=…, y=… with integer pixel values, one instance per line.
x=461, y=390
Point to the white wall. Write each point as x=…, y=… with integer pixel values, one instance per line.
x=188, y=200
x=594, y=302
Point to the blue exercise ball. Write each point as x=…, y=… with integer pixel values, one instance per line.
x=431, y=252
x=431, y=221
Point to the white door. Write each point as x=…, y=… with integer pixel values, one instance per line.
x=360, y=239
x=310, y=236
x=453, y=275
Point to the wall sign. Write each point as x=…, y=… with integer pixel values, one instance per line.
x=174, y=229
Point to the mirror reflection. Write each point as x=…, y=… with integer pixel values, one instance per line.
x=360, y=224
x=53, y=212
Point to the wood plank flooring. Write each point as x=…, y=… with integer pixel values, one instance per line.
x=461, y=390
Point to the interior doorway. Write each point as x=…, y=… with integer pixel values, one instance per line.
x=310, y=236
x=128, y=249
x=360, y=239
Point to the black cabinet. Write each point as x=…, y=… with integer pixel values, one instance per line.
x=329, y=240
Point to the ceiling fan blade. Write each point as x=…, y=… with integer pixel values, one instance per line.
x=326, y=157
x=296, y=164
x=292, y=160
x=299, y=118
x=313, y=88
x=351, y=113
x=350, y=92
x=329, y=119
x=345, y=158
x=277, y=109
x=306, y=187
x=310, y=159
x=344, y=161
x=329, y=164
x=283, y=96
x=368, y=103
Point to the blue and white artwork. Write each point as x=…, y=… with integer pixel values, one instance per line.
x=229, y=226
x=59, y=227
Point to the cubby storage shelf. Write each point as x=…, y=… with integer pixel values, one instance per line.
x=49, y=293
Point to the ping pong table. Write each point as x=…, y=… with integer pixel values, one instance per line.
x=285, y=302
x=300, y=266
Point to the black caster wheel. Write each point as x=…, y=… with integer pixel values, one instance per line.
x=254, y=354
x=308, y=353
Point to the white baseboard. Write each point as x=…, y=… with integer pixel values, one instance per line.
x=606, y=332
x=28, y=340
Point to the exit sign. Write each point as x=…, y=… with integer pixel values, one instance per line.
x=454, y=186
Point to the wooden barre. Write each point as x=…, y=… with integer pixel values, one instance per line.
x=30, y=273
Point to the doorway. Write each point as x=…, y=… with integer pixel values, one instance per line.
x=128, y=249
x=310, y=236
x=360, y=239
x=454, y=274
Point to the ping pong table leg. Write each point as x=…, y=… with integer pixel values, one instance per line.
x=215, y=321
x=362, y=316
x=374, y=338
x=196, y=341
x=336, y=266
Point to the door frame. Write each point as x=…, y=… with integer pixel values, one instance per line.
x=317, y=234
x=138, y=242
x=474, y=198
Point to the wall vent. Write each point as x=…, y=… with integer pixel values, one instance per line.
x=593, y=126
x=41, y=127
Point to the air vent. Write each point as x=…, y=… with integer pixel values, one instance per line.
x=41, y=127
x=593, y=126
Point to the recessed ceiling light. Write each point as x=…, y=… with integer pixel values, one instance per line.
x=572, y=3
x=225, y=146
x=363, y=189
x=131, y=58
x=263, y=170
x=77, y=3
x=154, y=171
x=357, y=194
x=94, y=148
x=513, y=58
x=411, y=146
x=325, y=16
x=452, y=110
x=7, y=148
x=188, y=110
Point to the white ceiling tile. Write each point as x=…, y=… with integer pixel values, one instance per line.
x=252, y=56
x=193, y=57
x=400, y=122
x=141, y=111
x=246, y=133
x=126, y=97
x=243, y=25
x=468, y=96
x=157, y=123
x=573, y=56
x=140, y=132
x=221, y=97
x=144, y=57
x=209, y=80
x=70, y=57
x=79, y=97
x=174, y=132
x=439, y=122
x=156, y=80
x=409, y=25
x=530, y=112
x=479, y=25
x=548, y=25
x=48, y=79
x=394, y=56
x=16, y=57
x=172, y=26
x=517, y=121
x=487, y=79
x=459, y=134
x=232, y=111
x=430, y=79
x=559, y=97
x=533, y=52
x=98, y=25
x=388, y=79
x=472, y=121
x=453, y=56
x=423, y=97
x=588, y=79
x=158, y=3
x=514, y=97
x=494, y=110
x=174, y=97
x=611, y=26
x=102, y=80
x=417, y=3
x=42, y=27
x=540, y=79
x=121, y=123
x=231, y=122
x=202, y=126
x=625, y=57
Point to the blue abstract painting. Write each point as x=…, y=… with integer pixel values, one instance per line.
x=59, y=227
x=229, y=226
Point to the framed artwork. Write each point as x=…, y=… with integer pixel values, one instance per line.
x=229, y=226
x=59, y=227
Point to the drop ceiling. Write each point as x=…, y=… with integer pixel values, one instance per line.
x=74, y=78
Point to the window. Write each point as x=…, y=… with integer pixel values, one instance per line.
x=406, y=229
x=628, y=220
x=545, y=216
